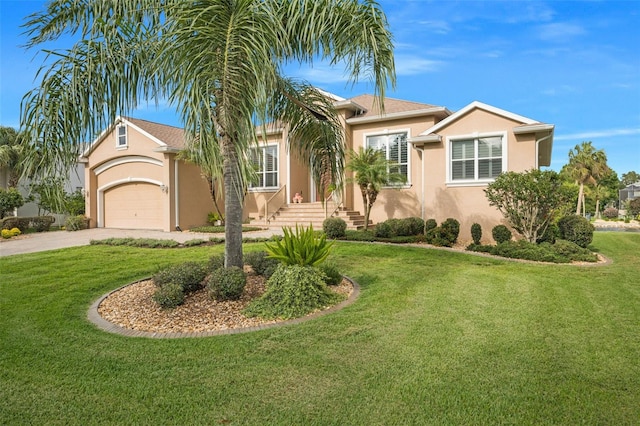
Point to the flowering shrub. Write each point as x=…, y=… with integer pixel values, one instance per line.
x=8, y=233
x=610, y=213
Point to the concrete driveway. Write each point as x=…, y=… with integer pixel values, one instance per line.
x=44, y=241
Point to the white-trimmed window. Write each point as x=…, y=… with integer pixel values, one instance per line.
x=396, y=150
x=265, y=163
x=121, y=136
x=476, y=159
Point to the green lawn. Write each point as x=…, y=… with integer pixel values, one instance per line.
x=435, y=338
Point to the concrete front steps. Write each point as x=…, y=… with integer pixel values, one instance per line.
x=310, y=213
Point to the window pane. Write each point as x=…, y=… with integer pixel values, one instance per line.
x=462, y=170
x=490, y=147
x=489, y=168
x=461, y=150
x=377, y=142
x=271, y=179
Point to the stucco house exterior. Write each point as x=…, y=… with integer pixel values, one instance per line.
x=447, y=157
x=134, y=180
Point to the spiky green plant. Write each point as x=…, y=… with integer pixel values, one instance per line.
x=302, y=248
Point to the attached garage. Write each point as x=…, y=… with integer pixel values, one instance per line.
x=135, y=179
x=134, y=206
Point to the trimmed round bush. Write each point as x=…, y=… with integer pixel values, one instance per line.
x=476, y=233
x=429, y=224
x=331, y=273
x=292, y=291
x=415, y=225
x=501, y=234
x=383, y=230
x=188, y=275
x=549, y=234
x=169, y=296
x=451, y=230
x=576, y=229
x=334, y=227
x=610, y=213
x=227, y=283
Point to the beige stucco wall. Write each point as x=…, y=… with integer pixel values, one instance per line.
x=194, y=199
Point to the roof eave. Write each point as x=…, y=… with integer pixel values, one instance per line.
x=438, y=111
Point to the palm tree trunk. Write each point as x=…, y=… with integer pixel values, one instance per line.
x=233, y=203
x=579, y=199
x=367, y=208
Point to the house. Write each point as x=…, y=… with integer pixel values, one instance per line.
x=134, y=180
x=448, y=158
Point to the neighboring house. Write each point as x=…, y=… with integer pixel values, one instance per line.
x=448, y=158
x=74, y=182
x=630, y=192
x=134, y=180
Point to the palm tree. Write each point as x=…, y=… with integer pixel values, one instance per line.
x=11, y=154
x=599, y=192
x=371, y=172
x=219, y=62
x=586, y=166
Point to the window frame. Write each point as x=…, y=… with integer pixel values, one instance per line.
x=263, y=148
x=476, y=181
x=119, y=136
x=387, y=133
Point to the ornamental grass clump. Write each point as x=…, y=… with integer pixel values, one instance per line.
x=302, y=248
x=292, y=291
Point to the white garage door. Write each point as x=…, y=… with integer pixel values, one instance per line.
x=133, y=206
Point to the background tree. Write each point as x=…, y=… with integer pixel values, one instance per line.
x=629, y=178
x=11, y=154
x=219, y=62
x=586, y=167
x=371, y=172
x=528, y=200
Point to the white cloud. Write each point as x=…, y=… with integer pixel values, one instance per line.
x=598, y=134
x=411, y=65
x=559, y=31
x=438, y=27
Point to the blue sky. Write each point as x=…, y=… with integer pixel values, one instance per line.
x=575, y=64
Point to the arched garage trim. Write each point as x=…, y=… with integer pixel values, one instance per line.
x=124, y=160
x=102, y=189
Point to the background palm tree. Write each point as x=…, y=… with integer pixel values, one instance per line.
x=219, y=62
x=11, y=155
x=586, y=166
x=371, y=172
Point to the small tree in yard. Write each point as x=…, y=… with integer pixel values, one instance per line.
x=371, y=171
x=528, y=200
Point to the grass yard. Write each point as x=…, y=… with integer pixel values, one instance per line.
x=435, y=338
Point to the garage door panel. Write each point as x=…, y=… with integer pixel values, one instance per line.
x=133, y=206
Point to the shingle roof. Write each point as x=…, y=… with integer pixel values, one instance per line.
x=391, y=105
x=172, y=136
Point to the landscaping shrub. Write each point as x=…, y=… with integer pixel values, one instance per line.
x=476, y=233
x=292, y=291
x=10, y=199
x=334, y=227
x=9, y=233
x=302, y=248
x=227, y=283
x=610, y=213
x=42, y=223
x=482, y=248
x=331, y=273
x=415, y=225
x=75, y=223
x=576, y=229
x=429, y=224
x=436, y=237
x=501, y=234
x=572, y=251
x=188, y=275
x=169, y=296
x=451, y=230
x=634, y=207
x=215, y=262
x=260, y=262
x=194, y=242
x=524, y=249
x=22, y=223
x=383, y=230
